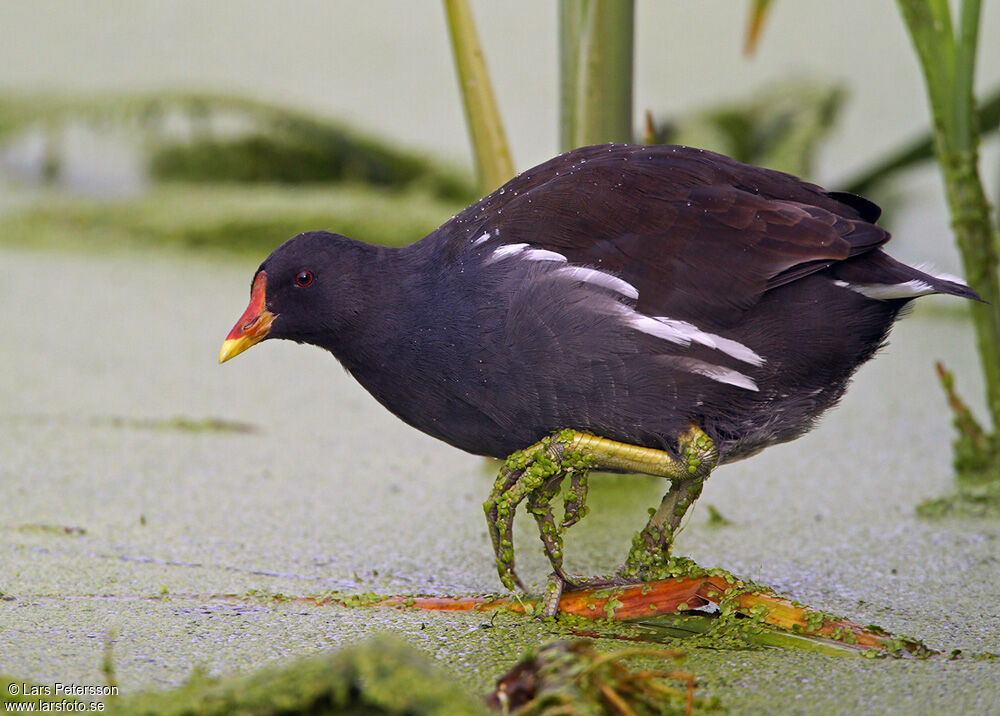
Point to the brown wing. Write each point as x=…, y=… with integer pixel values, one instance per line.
x=701, y=236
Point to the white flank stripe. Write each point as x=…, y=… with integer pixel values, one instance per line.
x=717, y=373
x=543, y=255
x=737, y=350
x=522, y=250
x=886, y=291
x=505, y=251
x=599, y=278
x=684, y=333
x=481, y=239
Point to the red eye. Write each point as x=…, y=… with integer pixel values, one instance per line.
x=304, y=278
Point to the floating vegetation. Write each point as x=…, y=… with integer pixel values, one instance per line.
x=213, y=171
x=182, y=423
x=383, y=676
x=574, y=678
x=68, y=530
x=746, y=615
x=205, y=137
x=246, y=219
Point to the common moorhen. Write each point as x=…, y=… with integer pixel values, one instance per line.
x=652, y=309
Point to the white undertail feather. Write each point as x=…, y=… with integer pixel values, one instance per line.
x=906, y=289
x=929, y=269
x=886, y=291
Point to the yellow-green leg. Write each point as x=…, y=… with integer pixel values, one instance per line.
x=536, y=473
x=540, y=507
x=651, y=545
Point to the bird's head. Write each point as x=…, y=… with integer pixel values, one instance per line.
x=298, y=293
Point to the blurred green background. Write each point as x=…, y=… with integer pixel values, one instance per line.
x=187, y=72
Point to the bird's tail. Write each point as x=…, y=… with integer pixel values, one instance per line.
x=877, y=275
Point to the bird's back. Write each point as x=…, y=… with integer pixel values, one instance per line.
x=631, y=291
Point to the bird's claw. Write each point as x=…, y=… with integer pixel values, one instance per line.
x=500, y=520
x=533, y=474
x=574, y=506
x=553, y=594
x=540, y=506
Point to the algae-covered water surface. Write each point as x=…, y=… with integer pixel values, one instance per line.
x=154, y=500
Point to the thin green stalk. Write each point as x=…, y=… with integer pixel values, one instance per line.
x=941, y=14
x=949, y=70
x=494, y=164
x=570, y=31
x=605, y=98
x=965, y=72
x=755, y=25
x=596, y=58
x=932, y=38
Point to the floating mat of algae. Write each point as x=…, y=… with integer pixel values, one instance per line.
x=329, y=491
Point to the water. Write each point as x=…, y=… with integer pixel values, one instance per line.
x=330, y=491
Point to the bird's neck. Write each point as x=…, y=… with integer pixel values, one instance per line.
x=407, y=331
x=385, y=295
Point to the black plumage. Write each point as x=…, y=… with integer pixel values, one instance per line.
x=627, y=291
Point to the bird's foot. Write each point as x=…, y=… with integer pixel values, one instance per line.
x=536, y=473
x=539, y=504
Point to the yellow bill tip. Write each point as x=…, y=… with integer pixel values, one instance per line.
x=231, y=348
x=253, y=326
